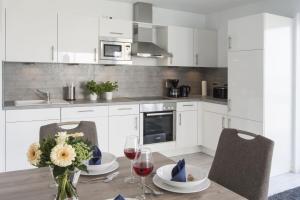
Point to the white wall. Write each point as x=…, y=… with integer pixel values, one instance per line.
x=219, y=20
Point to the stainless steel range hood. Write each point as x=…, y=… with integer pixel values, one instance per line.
x=143, y=45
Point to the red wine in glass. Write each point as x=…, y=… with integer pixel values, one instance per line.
x=143, y=168
x=130, y=153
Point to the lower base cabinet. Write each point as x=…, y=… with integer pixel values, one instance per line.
x=245, y=125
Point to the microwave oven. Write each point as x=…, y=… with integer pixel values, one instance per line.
x=115, y=51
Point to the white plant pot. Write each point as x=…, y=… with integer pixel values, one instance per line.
x=108, y=95
x=93, y=97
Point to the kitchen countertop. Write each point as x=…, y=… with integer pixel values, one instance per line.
x=9, y=105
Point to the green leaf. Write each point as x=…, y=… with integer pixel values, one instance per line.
x=58, y=171
x=83, y=168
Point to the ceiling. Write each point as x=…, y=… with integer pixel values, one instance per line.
x=196, y=6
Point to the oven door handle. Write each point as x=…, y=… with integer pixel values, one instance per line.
x=159, y=114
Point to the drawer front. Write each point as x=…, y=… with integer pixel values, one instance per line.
x=124, y=110
x=32, y=115
x=115, y=28
x=216, y=108
x=84, y=112
x=186, y=106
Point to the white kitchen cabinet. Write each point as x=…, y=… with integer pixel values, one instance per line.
x=179, y=41
x=115, y=28
x=31, y=34
x=213, y=122
x=99, y=115
x=77, y=38
x=259, y=81
x=200, y=123
x=246, y=33
x=205, y=48
x=22, y=129
x=123, y=121
x=186, y=125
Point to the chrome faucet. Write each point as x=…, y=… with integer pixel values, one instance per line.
x=43, y=94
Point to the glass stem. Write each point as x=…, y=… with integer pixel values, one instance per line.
x=143, y=185
x=131, y=168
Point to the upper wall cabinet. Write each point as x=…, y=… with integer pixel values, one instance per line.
x=31, y=34
x=205, y=48
x=246, y=36
x=77, y=38
x=179, y=41
x=115, y=28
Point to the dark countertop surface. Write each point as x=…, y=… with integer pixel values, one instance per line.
x=10, y=105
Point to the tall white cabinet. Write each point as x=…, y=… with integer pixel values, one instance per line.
x=259, y=81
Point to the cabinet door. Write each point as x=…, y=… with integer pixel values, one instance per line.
x=205, y=48
x=77, y=38
x=246, y=33
x=19, y=136
x=245, y=125
x=31, y=34
x=115, y=28
x=102, y=129
x=213, y=125
x=119, y=128
x=181, y=46
x=186, y=129
x=245, y=83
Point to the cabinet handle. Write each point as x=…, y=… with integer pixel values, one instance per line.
x=136, y=123
x=188, y=105
x=229, y=122
x=124, y=108
x=85, y=111
x=95, y=52
x=197, y=59
x=116, y=33
x=180, y=119
x=52, y=53
x=229, y=42
x=223, y=119
x=229, y=105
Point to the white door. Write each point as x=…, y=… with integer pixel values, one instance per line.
x=115, y=28
x=245, y=84
x=31, y=34
x=245, y=125
x=205, y=48
x=19, y=136
x=213, y=125
x=77, y=38
x=181, y=46
x=187, y=133
x=102, y=130
x=119, y=128
x=246, y=33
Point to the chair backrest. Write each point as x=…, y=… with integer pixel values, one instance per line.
x=88, y=128
x=243, y=165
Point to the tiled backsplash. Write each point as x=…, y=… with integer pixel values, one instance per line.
x=20, y=80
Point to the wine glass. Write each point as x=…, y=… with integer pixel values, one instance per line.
x=143, y=166
x=130, y=149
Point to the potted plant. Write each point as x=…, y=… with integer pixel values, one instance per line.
x=93, y=89
x=66, y=155
x=107, y=89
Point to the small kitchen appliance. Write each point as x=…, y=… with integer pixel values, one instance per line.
x=184, y=90
x=173, y=90
x=220, y=92
x=69, y=92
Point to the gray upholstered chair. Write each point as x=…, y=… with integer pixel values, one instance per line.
x=88, y=128
x=243, y=165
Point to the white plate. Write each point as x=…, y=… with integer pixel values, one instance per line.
x=125, y=199
x=106, y=161
x=165, y=174
x=112, y=168
x=159, y=183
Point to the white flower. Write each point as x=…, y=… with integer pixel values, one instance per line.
x=34, y=154
x=75, y=135
x=62, y=155
x=61, y=137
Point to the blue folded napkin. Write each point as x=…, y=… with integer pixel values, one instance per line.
x=178, y=172
x=97, y=155
x=119, y=197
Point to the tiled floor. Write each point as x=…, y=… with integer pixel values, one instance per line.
x=277, y=183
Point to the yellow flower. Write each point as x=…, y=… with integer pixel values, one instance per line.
x=75, y=135
x=34, y=154
x=62, y=155
x=61, y=137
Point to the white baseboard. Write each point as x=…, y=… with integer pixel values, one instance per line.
x=181, y=151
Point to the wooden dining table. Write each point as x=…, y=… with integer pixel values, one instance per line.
x=34, y=184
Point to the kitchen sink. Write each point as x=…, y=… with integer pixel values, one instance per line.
x=39, y=102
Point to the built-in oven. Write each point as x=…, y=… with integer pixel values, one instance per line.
x=158, y=122
x=115, y=51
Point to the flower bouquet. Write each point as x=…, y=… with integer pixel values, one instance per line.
x=65, y=154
